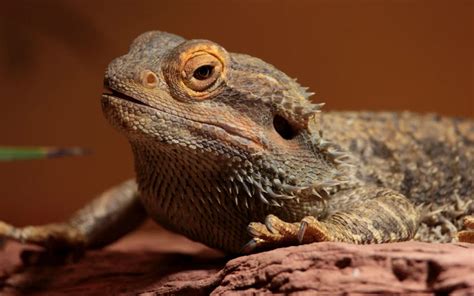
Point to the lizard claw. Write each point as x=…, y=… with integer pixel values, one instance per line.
x=272, y=233
x=269, y=224
x=302, y=231
x=314, y=230
x=275, y=233
x=249, y=247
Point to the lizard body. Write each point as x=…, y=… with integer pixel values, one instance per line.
x=231, y=152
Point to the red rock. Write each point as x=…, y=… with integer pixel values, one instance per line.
x=162, y=263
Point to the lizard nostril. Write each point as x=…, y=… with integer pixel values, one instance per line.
x=149, y=79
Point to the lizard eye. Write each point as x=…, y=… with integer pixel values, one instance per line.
x=196, y=70
x=201, y=71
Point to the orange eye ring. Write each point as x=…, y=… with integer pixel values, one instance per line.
x=201, y=71
x=196, y=69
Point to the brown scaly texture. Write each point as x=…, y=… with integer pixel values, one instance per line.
x=231, y=152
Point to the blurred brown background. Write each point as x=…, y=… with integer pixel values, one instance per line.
x=377, y=55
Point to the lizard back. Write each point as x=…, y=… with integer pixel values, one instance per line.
x=428, y=158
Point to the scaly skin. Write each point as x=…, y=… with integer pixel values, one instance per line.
x=229, y=151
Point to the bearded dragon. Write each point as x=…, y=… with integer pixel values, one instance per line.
x=231, y=152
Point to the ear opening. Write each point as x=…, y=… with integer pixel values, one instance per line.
x=284, y=128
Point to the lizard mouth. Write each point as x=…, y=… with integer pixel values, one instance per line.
x=113, y=93
x=110, y=93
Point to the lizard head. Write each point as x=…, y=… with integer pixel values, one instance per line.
x=193, y=99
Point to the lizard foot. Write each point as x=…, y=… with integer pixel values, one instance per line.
x=277, y=233
x=59, y=241
x=467, y=236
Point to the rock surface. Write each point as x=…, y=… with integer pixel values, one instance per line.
x=163, y=263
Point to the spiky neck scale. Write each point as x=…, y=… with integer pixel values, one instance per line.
x=271, y=177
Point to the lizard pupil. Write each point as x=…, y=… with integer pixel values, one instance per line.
x=203, y=72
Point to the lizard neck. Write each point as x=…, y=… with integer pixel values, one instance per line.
x=187, y=192
x=166, y=174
